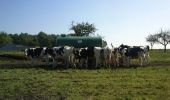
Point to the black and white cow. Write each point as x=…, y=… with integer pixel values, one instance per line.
x=76, y=57
x=82, y=56
x=146, y=53
x=134, y=52
x=64, y=53
x=107, y=56
x=116, y=57
x=35, y=53
x=103, y=56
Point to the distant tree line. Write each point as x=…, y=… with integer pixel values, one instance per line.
x=43, y=39
x=162, y=37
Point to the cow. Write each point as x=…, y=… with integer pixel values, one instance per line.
x=54, y=52
x=116, y=57
x=102, y=56
x=76, y=57
x=67, y=55
x=107, y=56
x=97, y=53
x=146, y=53
x=35, y=53
x=83, y=56
x=64, y=53
x=128, y=52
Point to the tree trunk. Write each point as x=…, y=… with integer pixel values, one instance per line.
x=151, y=46
x=164, y=48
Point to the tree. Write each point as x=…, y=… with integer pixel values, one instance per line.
x=24, y=39
x=52, y=39
x=43, y=39
x=15, y=38
x=152, y=39
x=46, y=40
x=4, y=39
x=163, y=37
x=83, y=29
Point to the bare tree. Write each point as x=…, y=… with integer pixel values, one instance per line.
x=152, y=39
x=163, y=37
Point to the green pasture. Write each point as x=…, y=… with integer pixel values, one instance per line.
x=141, y=83
x=16, y=52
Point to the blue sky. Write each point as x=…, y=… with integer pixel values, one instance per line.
x=118, y=21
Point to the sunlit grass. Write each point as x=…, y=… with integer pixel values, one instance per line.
x=159, y=55
x=141, y=83
x=16, y=52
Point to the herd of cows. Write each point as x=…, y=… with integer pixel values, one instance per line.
x=95, y=56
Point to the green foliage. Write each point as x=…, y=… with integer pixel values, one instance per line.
x=46, y=40
x=81, y=29
x=52, y=39
x=27, y=39
x=42, y=39
x=24, y=39
x=4, y=39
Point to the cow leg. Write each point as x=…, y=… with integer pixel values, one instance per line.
x=97, y=62
x=87, y=63
x=128, y=61
x=124, y=61
x=66, y=60
x=148, y=58
x=73, y=61
x=145, y=60
x=114, y=62
x=109, y=62
x=80, y=63
x=76, y=62
x=141, y=61
x=47, y=60
x=54, y=62
x=117, y=61
x=84, y=62
x=32, y=61
x=106, y=63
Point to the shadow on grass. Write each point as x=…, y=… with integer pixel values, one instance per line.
x=9, y=61
x=27, y=65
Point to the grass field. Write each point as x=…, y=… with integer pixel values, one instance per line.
x=141, y=83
